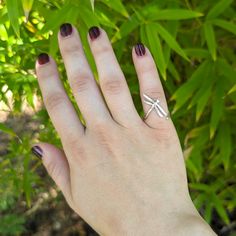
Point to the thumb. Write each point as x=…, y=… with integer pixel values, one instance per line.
x=57, y=166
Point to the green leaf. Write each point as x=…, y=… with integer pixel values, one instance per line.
x=225, y=144
x=118, y=6
x=229, y=26
x=183, y=94
x=170, y=40
x=218, y=9
x=56, y=18
x=208, y=211
x=14, y=14
x=92, y=4
x=7, y=130
x=27, y=6
x=232, y=90
x=217, y=106
x=126, y=28
x=173, y=14
x=202, y=102
x=156, y=48
x=220, y=208
x=210, y=39
x=197, y=52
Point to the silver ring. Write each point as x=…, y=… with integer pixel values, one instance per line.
x=155, y=105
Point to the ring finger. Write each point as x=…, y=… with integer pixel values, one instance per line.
x=150, y=85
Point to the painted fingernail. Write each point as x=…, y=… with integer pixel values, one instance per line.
x=66, y=29
x=140, y=49
x=94, y=32
x=37, y=151
x=43, y=58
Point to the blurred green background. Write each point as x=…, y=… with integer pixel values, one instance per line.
x=193, y=43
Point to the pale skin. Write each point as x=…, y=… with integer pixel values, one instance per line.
x=122, y=174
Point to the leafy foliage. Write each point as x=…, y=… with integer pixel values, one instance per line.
x=193, y=44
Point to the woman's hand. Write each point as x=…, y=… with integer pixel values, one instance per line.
x=122, y=175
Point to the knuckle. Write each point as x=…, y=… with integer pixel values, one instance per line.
x=148, y=67
x=69, y=48
x=102, y=50
x=80, y=82
x=71, y=140
x=54, y=100
x=154, y=93
x=112, y=86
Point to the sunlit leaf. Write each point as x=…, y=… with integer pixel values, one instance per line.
x=14, y=14
x=233, y=89
x=27, y=6
x=92, y=4
x=118, y=6
x=170, y=40
x=156, y=48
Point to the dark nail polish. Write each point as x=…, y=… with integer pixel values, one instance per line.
x=43, y=58
x=140, y=49
x=94, y=32
x=66, y=29
x=37, y=151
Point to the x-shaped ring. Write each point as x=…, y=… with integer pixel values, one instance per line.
x=155, y=105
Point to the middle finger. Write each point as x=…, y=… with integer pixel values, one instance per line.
x=80, y=76
x=112, y=79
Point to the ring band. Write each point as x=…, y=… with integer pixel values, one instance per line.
x=155, y=105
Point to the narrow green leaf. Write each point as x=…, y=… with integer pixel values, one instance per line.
x=55, y=19
x=225, y=144
x=92, y=4
x=208, y=211
x=220, y=208
x=13, y=14
x=173, y=14
x=156, y=48
x=118, y=6
x=218, y=9
x=226, y=70
x=183, y=94
x=200, y=186
x=126, y=28
x=229, y=26
x=172, y=69
x=197, y=52
x=170, y=40
x=210, y=39
x=27, y=6
x=232, y=90
x=202, y=102
x=217, y=106
x=7, y=130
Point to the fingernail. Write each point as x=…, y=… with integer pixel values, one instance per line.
x=94, y=32
x=66, y=29
x=43, y=58
x=140, y=49
x=37, y=151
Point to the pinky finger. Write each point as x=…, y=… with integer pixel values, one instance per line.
x=56, y=164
